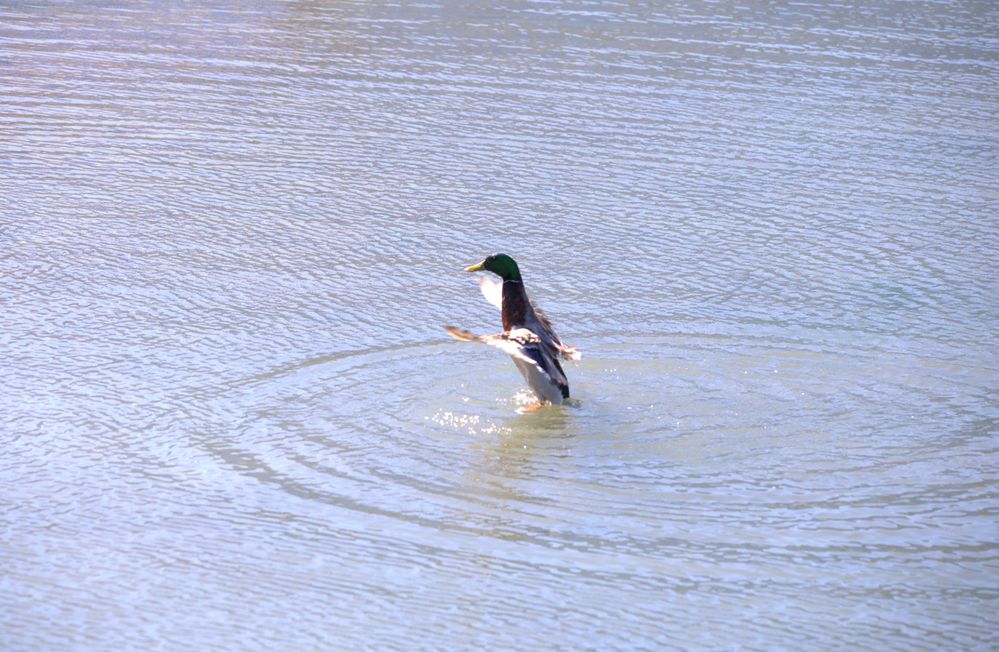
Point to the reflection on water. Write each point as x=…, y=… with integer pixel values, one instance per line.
x=231, y=235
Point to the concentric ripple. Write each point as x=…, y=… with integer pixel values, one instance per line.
x=398, y=430
x=687, y=460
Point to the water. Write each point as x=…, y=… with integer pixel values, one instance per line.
x=231, y=236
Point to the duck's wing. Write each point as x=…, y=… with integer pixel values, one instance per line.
x=541, y=370
x=492, y=291
x=539, y=323
x=503, y=342
x=520, y=344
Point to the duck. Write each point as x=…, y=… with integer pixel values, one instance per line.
x=528, y=336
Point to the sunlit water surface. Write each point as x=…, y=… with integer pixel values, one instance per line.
x=231, y=233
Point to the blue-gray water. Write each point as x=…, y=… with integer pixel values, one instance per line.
x=231, y=233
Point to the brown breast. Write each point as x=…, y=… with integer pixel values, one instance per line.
x=515, y=304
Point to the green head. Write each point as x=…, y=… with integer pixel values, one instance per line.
x=499, y=264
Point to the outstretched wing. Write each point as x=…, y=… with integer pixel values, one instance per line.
x=512, y=347
x=542, y=371
x=540, y=324
x=492, y=291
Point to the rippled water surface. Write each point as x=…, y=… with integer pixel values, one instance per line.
x=231, y=233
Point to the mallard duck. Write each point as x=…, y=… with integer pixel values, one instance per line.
x=528, y=336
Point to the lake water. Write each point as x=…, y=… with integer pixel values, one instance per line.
x=231, y=235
